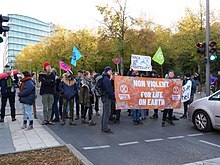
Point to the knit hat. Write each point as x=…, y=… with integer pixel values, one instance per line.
x=70, y=71
x=107, y=68
x=46, y=64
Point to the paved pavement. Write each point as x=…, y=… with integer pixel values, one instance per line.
x=14, y=139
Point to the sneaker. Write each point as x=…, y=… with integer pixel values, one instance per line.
x=24, y=126
x=92, y=123
x=13, y=119
x=30, y=127
x=140, y=123
x=135, y=123
x=154, y=117
x=35, y=116
x=62, y=122
x=117, y=121
x=72, y=123
x=107, y=131
x=44, y=122
x=183, y=117
x=77, y=118
x=174, y=117
x=171, y=123
x=84, y=121
x=97, y=114
x=1, y=120
x=163, y=124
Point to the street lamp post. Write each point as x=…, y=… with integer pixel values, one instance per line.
x=207, y=50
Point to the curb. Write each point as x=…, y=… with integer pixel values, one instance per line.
x=80, y=156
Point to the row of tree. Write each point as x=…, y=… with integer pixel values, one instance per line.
x=120, y=36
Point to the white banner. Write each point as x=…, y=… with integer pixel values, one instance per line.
x=141, y=63
x=186, y=91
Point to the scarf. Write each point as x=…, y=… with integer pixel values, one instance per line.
x=23, y=81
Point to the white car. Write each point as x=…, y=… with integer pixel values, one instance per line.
x=204, y=113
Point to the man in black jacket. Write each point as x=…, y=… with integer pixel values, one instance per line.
x=8, y=91
x=107, y=98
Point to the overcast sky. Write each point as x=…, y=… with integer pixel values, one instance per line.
x=75, y=14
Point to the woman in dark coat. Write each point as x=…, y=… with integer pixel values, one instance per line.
x=27, y=97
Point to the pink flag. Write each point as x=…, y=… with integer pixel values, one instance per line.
x=64, y=66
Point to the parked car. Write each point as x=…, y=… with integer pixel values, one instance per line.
x=204, y=113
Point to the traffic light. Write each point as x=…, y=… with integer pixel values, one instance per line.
x=3, y=29
x=212, y=50
x=200, y=48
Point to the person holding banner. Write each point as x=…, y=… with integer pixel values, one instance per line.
x=189, y=89
x=168, y=111
x=135, y=112
x=155, y=115
x=8, y=90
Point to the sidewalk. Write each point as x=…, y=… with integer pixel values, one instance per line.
x=14, y=139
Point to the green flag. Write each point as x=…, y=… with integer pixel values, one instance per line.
x=158, y=57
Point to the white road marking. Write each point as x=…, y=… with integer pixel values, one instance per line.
x=215, y=161
x=96, y=147
x=209, y=143
x=175, y=137
x=128, y=143
x=153, y=140
x=198, y=134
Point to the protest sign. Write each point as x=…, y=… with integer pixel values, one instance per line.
x=147, y=93
x=186, y=90
x=141, y=63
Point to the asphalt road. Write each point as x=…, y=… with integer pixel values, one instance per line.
x=147, y=144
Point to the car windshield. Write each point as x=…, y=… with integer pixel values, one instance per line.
x=216, y=96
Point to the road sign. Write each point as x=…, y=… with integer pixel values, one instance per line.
x=117, y=61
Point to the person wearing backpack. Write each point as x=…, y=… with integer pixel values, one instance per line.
x=107, y=98
x=193, y=91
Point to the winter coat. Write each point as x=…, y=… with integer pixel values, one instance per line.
x=27, y=91
x=108, y=87
x=86, y=95
x=47, y=83
x=3, y=85
x=68, y=87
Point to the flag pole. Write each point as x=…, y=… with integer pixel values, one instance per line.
x=161, y=71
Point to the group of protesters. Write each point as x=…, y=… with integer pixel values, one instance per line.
x=61, y=95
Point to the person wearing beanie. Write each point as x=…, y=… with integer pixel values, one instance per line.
x=27, y=97
x=193, y=90
x=47, y=90
x=46, y=64
x=107, y=98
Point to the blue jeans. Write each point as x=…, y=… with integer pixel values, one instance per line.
x=135, y=114
x=27, y=111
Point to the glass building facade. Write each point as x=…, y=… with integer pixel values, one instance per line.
x=23, y=31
